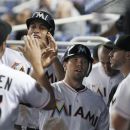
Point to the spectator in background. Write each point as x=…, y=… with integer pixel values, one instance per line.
x=120, y=27
x=11, y=19
x=64, y=9
x=21, y=19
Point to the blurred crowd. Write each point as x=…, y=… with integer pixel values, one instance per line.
x=16, y=12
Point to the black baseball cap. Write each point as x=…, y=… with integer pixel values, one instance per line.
x=108, y=45
x=5, y=29
x=123, y=43
x=46, y=19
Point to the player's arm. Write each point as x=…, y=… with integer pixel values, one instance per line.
x=32, y=52
x=57, y=66
x=58, y=69
x=48, y=59
x=119, y=107
x=118, y=122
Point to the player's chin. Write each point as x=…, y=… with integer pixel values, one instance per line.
x=79, y=74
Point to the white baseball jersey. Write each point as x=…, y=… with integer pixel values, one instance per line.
x=83, y=110
x=121, y=100
x=16, y=60
x=16, y=87
x=100, y=82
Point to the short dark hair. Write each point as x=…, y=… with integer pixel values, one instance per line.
x=5, y=29
x=123, y=43
x=95, y=52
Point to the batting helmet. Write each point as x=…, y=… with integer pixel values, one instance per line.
x=79, y=49
x=45, y=18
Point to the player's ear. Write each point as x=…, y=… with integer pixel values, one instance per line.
x=128, y=55
x=64, y=65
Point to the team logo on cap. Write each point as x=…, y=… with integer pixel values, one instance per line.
x=81, y=50
x=40, y=15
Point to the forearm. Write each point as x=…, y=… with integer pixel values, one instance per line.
x=119, y=123
x=40, y=76
x=58, y=69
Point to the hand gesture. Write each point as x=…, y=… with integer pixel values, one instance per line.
x=49, y=53
x=31, y=50
x=48, y=56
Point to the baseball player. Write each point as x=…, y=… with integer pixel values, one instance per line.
x=77, y=106
x=120, y=105
x=41, y=26
x=10, y=57
x=102, y=77
x=17, y=87
x=17, y=61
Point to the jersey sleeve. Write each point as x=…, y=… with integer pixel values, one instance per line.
x=31, y=93
x=121, y=100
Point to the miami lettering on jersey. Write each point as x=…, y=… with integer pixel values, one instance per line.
x=100, y=90
x=5, y=82
x=18, y=66
x=87, y=115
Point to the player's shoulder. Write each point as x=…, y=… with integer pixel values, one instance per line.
x=11, y=51
x=11, y=54
x=128, y=77
x=57, y=85
x=124, y=84
x=96, y=67
x=15, y=74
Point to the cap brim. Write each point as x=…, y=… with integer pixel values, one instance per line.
x=30, y=20
x=108, y=46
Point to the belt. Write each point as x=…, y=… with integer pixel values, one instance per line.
x=19, y=127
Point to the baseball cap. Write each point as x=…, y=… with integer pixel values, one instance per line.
x=123, y=43
x=45, y=18
x=5, y=29
x=108, y=45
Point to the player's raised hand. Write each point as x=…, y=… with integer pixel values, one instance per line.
x=31, y=50
x=52, y=43
x=50, y=52
x=48, y=56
